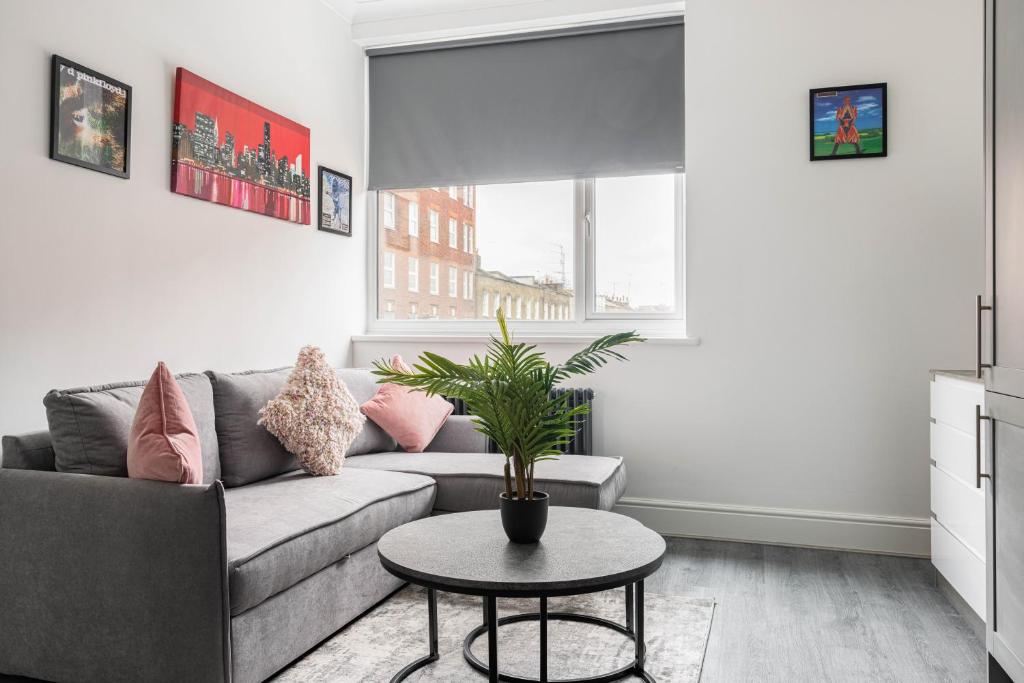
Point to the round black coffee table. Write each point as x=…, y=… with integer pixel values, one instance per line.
x=583, y=551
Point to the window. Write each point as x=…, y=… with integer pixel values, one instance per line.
x=388, y=274
x=451, y=312
x=434, y=228
x=572, y=252
x=453, y=192
x=414, y=219
x=414, y=274
x=413, y=310
x=635, y=275
x=387, y=210
x=433, y=310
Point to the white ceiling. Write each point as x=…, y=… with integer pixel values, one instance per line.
x=389, y=22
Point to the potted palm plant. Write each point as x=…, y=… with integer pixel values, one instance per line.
x=508, y=391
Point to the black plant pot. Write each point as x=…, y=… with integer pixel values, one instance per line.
x=524, y=520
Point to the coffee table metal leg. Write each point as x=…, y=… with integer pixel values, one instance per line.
x=492, y=639
x=544, y=640
x=641, y=644
x=432, y=634
x=629, y=607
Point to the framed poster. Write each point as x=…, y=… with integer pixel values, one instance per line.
x=335, y=202
x=90, y=119
x=231, y=151
x=848, y=122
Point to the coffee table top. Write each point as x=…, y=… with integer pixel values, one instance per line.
x=582, y=550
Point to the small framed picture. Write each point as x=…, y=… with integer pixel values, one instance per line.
x=90, y=119
x=335, y=202
x=848, y=122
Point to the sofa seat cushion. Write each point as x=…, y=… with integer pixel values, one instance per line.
x=472, y=481
x=285, y=529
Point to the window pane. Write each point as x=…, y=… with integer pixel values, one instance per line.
x=506, y=245
x=634, y=244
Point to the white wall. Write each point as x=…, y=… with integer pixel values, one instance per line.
x=102, y=277
x=822, y=292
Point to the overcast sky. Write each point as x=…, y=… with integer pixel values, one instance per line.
x=523, y=228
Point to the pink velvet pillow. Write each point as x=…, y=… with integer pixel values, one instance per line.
x=410, y=417
x=164, y=443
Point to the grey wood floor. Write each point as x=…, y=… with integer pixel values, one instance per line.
x=796, y=614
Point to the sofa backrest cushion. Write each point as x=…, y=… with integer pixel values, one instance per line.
x=372, y=439
x=248, y=452
x=90, y=426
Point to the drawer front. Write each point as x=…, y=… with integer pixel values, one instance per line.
x=960, y=509
x=955, y=451
x=953, y=402
x=962, y=568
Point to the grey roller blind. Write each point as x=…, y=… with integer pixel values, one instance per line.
x=540, y=107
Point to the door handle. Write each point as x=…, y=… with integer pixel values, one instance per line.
x=978, y=417
x=980, y=307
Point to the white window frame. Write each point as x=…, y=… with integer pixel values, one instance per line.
x=453, y=282
x=389, y=282
x=468, y=277
x=435, y=278
x=414, y=219
x=453, y=192
x=389, y=210
x=453, y=233
x=413, y=271
x=435, y=226
x=581, y=318
x=467, y=238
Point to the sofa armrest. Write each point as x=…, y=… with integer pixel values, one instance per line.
x=112, y=579
x=458, y=435
x=32, y=451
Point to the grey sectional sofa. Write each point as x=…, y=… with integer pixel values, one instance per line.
x=105, y=578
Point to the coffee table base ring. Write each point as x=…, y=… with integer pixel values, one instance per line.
x=634, y=668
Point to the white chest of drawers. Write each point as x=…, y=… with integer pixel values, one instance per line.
x=957, y=500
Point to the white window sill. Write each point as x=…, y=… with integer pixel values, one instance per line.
x=477, y=338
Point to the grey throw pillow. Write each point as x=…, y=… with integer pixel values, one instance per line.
x=248, y=452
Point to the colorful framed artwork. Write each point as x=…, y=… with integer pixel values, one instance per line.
x=335, y=201
x=90, y=119
x=848, y=122
x=228, y=150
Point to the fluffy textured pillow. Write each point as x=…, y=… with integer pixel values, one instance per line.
x=315, y=417
x=411, y=417
x=163, y=443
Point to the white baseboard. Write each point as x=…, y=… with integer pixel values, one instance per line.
x=779, y=526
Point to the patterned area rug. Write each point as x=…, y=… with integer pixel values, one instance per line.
x=395, y=633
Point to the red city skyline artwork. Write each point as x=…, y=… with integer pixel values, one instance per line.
x=229, y=150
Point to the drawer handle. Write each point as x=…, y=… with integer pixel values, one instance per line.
x=978, y=417
x=980, y=365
